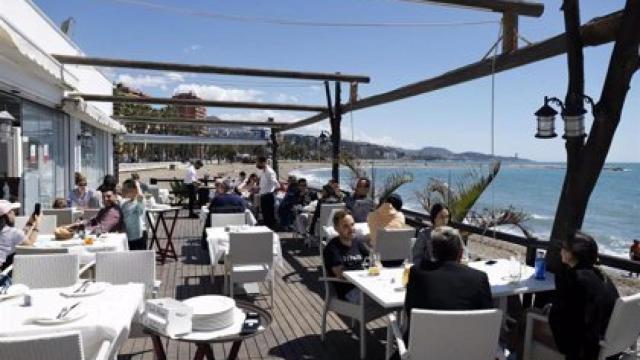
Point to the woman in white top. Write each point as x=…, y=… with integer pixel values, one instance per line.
x=10, y=237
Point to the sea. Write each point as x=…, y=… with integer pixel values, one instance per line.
x=613, y=213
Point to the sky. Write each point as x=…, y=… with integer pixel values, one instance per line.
x=234, y=33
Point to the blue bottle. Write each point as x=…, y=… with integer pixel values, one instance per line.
x=540, y=267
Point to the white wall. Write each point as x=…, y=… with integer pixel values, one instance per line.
x=37, y=27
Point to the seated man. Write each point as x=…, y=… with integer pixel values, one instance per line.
x=108, y=219
x=387, y=216
x=446, y=284
x=225, y=200
x=10, y=237
x=358, y=202
x=344, y=252
x=303, y=216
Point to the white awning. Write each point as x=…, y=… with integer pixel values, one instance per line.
x=19, y=49
x=180, y=139
x=93, y=116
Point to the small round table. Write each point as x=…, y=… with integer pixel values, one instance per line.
x=204, y=349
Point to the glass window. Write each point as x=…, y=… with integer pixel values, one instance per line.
x=93, y=147
x=45, y=155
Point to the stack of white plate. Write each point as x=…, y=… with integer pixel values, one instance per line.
x=211, y=312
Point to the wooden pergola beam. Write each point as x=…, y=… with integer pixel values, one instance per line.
x=598, y=31
x=195, y=102
x=209, y=69
x=518, y=7
x=176, y=121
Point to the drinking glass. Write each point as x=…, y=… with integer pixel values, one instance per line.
x=515, y=269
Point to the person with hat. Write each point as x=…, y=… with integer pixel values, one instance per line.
x=10, y=237
x=387, y=216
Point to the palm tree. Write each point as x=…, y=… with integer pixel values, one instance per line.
x=463, y=197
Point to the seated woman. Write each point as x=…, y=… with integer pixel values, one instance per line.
x=387, y=216
x=344, y=252
x=82, y=196
x=584, y=300
x=285, y=210
x=133, y=211
x=422, y=249
x=10, y=237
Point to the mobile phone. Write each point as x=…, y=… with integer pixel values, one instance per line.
x=37, y=210
x=250, y=326
x=490, y=262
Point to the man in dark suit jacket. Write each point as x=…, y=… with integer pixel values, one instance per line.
x=446, y=284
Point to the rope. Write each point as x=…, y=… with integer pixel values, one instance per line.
x=288, y=22
x=493, y=117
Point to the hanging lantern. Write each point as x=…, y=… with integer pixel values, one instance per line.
x=6, y=122
x=323, y=137
x=573, y=125
x=546, y=117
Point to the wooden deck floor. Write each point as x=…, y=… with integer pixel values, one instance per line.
x=295, y=331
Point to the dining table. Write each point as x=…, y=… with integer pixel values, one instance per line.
x=100, y=317
x=506, y=278
x=86, y=252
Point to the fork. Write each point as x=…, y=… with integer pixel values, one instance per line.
x=66, y=310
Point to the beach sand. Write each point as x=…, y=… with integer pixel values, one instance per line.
x=480, y=246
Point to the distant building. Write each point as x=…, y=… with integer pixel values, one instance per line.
x=195, y=112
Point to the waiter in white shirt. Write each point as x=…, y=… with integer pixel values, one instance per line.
x=191, y=182
x=268, y=185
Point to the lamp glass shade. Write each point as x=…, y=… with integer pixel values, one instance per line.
x=546, y=127
x=6, y=121
x=573, y=126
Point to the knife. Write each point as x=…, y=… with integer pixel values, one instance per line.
x=84, y=283
x=67, y=310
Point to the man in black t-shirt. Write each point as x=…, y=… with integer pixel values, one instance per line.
x=344, y=252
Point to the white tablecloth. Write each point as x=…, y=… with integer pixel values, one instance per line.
x=218, y=240
x=87, y=253
x=390, y=293
x=109, y=315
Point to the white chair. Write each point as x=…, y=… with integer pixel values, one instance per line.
x=63, y=216
x=221, y=220
x=89, y=213
x=54, y=346
x=46, y=271
x=128, y=267
x=395, y=244
x=444, y=335
x=32, y=250
x=48, y=224
x=621, y=334
x=250, y=259
x=155, y=192
x=345, y=308
x=325, y=217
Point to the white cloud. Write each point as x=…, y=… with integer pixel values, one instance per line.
x=261, y=115
x=192, y=48
x=161, y=81
x=284, y=98
x=212, y=92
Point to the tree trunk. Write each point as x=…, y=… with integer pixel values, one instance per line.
x=585, y=161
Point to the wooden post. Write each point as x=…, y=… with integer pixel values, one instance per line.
x=335, y=134
x=509, y=32
x=274, y=150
